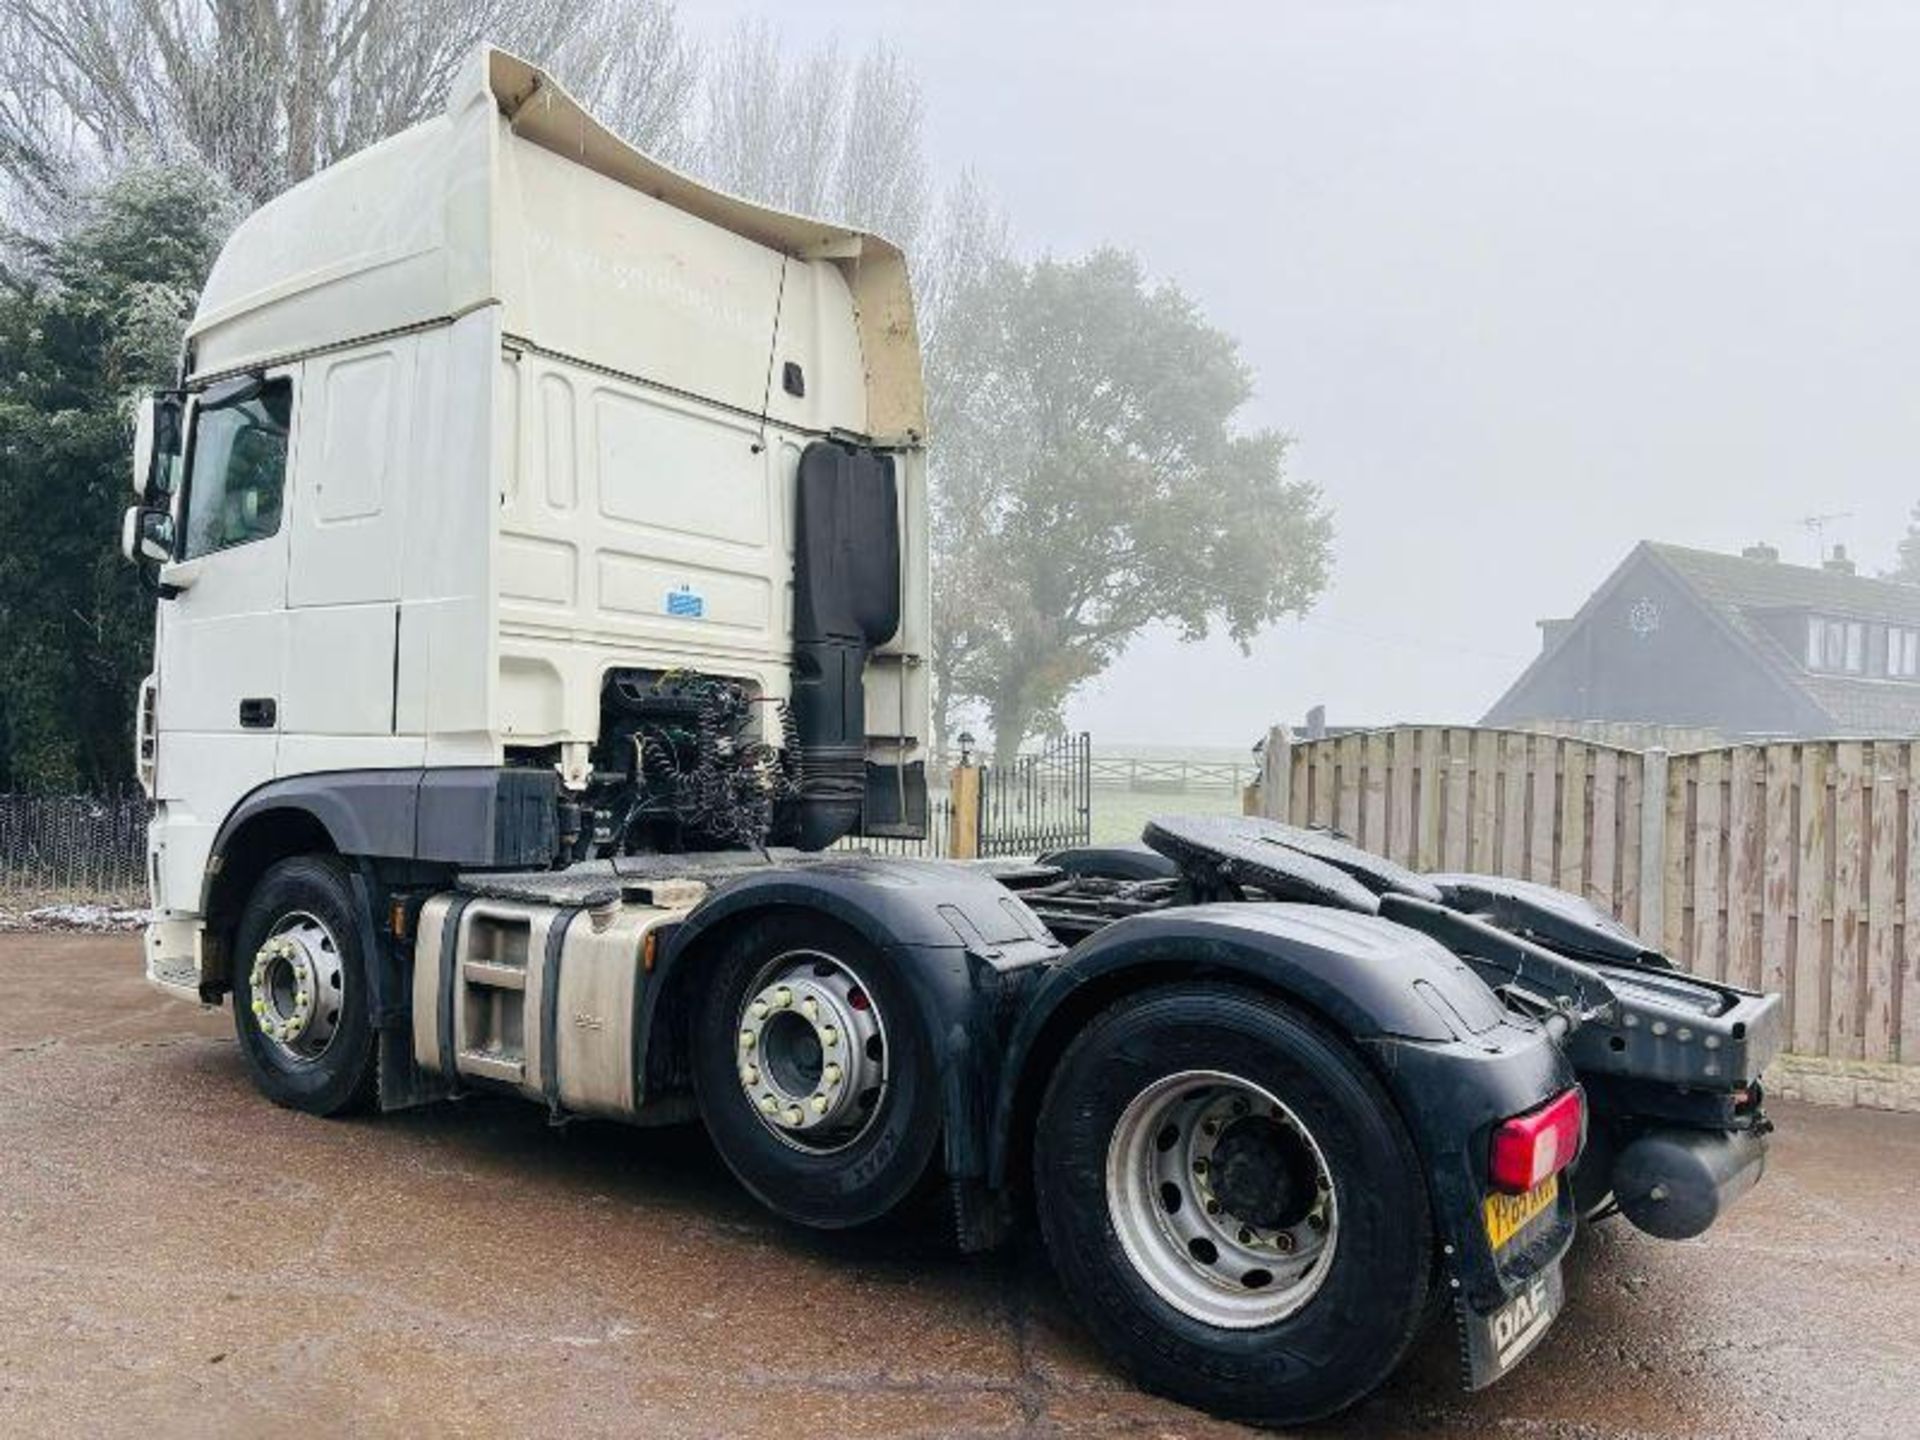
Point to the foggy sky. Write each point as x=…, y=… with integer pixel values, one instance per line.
x=1527, y=282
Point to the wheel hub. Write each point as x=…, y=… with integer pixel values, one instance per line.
x=1221, y=1199
x=811, y=1051
x=294, y=987
x=1263, y=1173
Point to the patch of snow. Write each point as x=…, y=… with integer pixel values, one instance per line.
x=98, y=919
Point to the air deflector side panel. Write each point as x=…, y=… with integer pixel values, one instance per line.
x=846, y=601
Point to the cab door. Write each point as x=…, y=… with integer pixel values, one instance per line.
x=221, y=634
x=221, y=639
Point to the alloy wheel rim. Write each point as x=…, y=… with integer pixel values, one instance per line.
x=811, y=1053
x=1222, y=1199
x=296, y=987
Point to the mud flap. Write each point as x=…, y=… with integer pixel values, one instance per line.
x=1491, y=1345
x=403, y=1084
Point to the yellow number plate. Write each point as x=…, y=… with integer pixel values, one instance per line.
x=1507, y=1215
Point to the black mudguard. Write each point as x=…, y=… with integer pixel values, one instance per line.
x=1452, y=1059
x=968, y=947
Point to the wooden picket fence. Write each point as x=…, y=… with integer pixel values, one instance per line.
x=1785, y=866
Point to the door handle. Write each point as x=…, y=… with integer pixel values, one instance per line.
x=258, y=713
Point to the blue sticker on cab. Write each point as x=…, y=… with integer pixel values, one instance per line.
x=686, y=603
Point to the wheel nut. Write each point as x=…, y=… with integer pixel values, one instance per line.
x=759, y=1010
x=783, y=997
x=831, y=1075
x=829, y=1037
x=810, y=1007
x=1200, y=1167
x=1213, y=1207
x=1246, y=1236
x=794, y=1115
x=769, y=1104
x=1283, y=1242
x=819, y=1104
x=746, y=1039
x=749, y=1076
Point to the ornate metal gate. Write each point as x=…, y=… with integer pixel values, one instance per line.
x=1042, y=801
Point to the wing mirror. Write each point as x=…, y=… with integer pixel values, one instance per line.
x=146, y=535
x=156, y=444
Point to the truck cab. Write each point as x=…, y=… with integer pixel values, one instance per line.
x=480, y=435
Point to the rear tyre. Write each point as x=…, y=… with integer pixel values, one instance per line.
x=813, y=1072
x=1233, y=1204
x=300, y=990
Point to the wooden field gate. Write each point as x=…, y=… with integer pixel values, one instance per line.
x=1786, y=866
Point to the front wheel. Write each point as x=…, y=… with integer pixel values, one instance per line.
x=1233, y=1204
x=299, y=993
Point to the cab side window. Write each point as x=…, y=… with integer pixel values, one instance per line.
x=237, y=467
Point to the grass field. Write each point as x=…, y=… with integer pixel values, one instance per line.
x=1118, y=814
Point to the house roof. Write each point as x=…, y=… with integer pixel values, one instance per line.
x=1740, y=593
x=1733, y=581
x=1740, y=590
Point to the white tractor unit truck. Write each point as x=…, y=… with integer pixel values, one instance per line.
x=540, y=548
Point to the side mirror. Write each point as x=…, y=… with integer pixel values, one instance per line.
x=156, y=443
x=146, y=536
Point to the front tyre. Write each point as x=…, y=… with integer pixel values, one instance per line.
x=299, y=992
x=1233, y=1204
x=813, y=1073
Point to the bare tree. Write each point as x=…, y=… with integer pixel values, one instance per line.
x=814, y=134
x=968, y=245
x=881, y=180
x=265, y=92
x=637, y=71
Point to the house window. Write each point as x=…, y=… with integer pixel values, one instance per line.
x=1903, y=652
x=1837, y=645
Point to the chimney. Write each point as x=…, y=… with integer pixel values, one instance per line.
x=1838, y=562
x=1761, y=551
x=1551, y=631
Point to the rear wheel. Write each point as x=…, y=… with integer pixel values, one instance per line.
x=299, y=995
x=1233, y=1204
x=812, y=1072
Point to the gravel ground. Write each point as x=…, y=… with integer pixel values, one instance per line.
x=177, y=1257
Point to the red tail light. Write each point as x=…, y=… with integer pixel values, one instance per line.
x=1529, y=1148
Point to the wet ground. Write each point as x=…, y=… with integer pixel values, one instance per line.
x=178, y=1257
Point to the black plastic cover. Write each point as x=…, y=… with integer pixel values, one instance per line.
x=846, y=600
x=457, y=815
x=846, y=545
x=1132, y=861
x=1379, y=874
x=1210, y=849
x=1554, y=917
